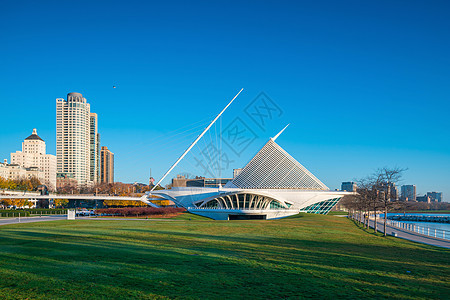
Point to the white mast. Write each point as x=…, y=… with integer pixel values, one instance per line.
x=195, y=142
x=275, y=137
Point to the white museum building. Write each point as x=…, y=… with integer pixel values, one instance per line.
x=272, y=185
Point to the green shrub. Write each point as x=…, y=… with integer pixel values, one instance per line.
x=11, y=213
x=47, y=211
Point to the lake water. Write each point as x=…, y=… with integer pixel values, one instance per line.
x=431, y=225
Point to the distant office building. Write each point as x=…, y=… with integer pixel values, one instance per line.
x=106, y=165
x=182, y=181
x=424, y=198
x=33, y=157
x=349, y=186
x=236, y=172
x=408, y=193
x=73, y=137
x=393, y=190
x=435, y=196
x=94, y=148
x=179, y=181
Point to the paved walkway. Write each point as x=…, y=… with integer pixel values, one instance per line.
x=8, y=221
x=409, y=235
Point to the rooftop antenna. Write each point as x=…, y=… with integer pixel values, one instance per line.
x=275, y=137
x=195, y=142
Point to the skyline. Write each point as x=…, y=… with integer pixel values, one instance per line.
x=357, y=97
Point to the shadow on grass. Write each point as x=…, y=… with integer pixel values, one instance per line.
x=367, y=230
x=95, y=261
x=180, y=260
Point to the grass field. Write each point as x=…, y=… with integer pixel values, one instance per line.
x=303, y=256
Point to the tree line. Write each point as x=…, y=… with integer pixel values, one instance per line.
x=116, y=188
x=21, y=203
x=22, y=184
x=375, y=194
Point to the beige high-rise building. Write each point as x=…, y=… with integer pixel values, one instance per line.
x=73, y=137
x=106, y=165
x=34, y=158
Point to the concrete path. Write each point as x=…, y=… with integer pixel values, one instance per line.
x=409, y=235
x=8, y=221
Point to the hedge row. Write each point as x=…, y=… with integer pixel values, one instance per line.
x=9, y=213
x=140, y=211
x=46, y=211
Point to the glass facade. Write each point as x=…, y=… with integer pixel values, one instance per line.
x=242, y=201
x=322, y=207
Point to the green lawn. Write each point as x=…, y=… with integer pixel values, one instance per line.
x=338, y=213
x=304, y=256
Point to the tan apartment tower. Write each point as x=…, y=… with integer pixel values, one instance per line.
x=73, y=137
x=106, y=165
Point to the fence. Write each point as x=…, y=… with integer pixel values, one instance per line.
x=433, y=232
x=32, y=212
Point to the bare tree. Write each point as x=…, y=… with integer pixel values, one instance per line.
x=385, y=178
x=369, y=198
x=358, y=206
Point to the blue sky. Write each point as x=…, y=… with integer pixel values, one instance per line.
x=364, y=84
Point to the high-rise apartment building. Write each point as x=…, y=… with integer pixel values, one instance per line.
x=98, y=158
x=106, y=165
x=408, y=193
x=94, y=148
x=73, y=137
x=33, y=156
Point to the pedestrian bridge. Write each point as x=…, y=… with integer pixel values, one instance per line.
x=34, y=196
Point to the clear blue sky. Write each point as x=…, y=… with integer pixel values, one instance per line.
x=364, y=84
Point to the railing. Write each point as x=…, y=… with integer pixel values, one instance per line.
x=421, y=218
x=19, y=192
x=433, y=232
x=236, y=208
